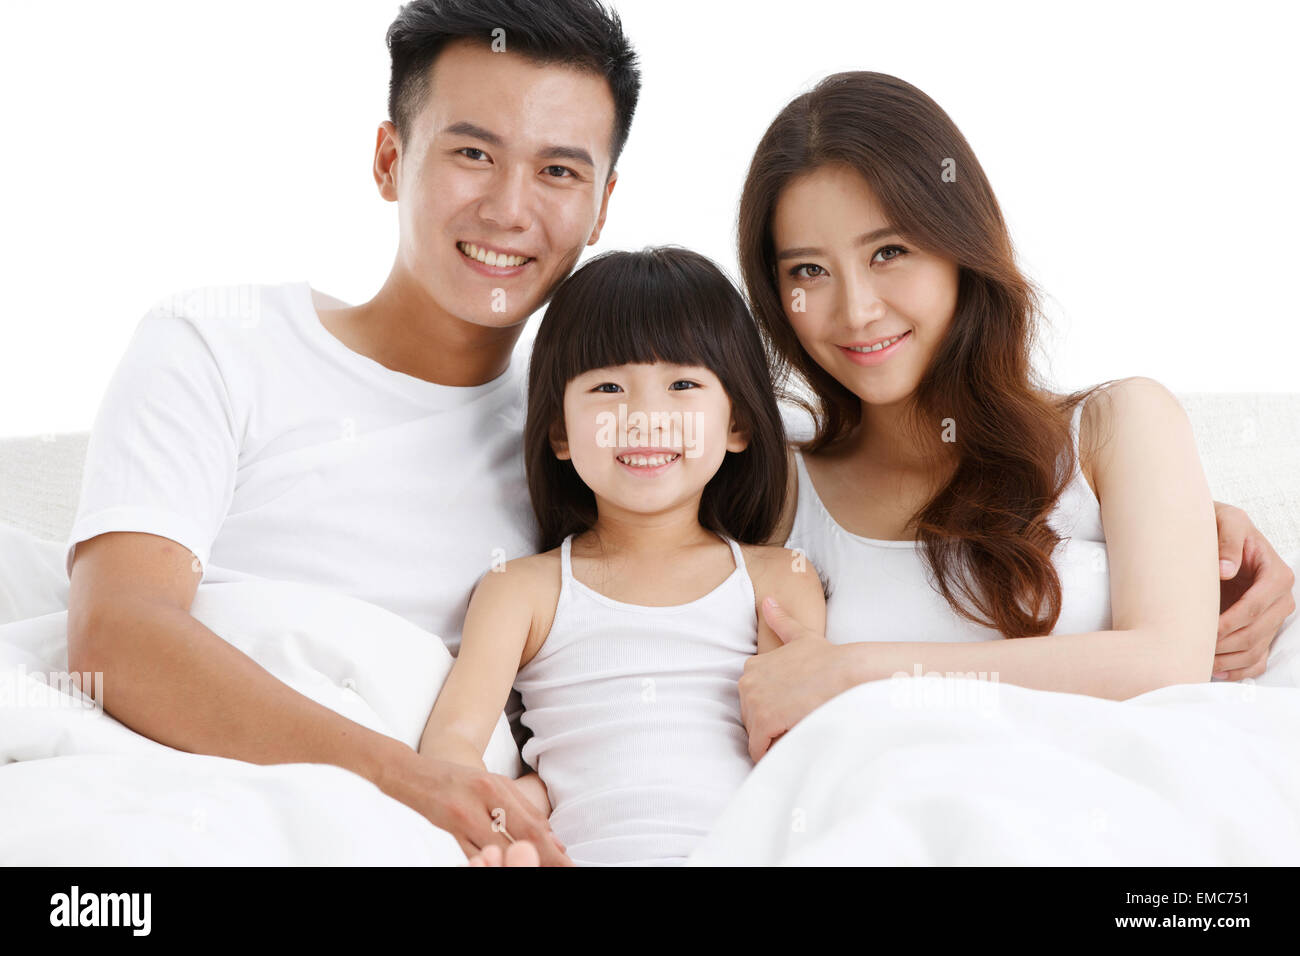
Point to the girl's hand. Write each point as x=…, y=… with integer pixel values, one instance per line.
x=781, y=687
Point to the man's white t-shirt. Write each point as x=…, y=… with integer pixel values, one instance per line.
x=238, y=426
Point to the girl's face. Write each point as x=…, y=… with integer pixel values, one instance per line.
x=848, y=281
x=648, y=437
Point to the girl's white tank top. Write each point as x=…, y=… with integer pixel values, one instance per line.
x=881, y=590
x=635, y=716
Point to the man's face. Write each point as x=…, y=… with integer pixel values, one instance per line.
x=500, y=182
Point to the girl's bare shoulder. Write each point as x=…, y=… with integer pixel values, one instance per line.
x=533, y=581
x=534, y=574
x=774, y=566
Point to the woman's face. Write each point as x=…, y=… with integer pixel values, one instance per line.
x=848, y=281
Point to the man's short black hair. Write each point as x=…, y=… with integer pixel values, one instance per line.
x=580, y=33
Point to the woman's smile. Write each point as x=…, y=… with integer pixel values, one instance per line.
x=878, y=353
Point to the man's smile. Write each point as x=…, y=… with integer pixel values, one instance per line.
x=492, y=260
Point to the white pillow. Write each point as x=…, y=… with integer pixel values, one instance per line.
x=33, y=579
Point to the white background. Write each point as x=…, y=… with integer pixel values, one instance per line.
x=1144, y=158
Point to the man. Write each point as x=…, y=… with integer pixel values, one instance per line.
x=376, y=449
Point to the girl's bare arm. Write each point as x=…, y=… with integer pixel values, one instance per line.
x=497, y=627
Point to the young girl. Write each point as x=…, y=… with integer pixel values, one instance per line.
x=656, y=464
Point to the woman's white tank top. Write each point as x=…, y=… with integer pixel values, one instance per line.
x=880, y=590
x=635, y=717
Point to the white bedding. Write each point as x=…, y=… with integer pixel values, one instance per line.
x=1188, y=775
x=77, y=786
x=934, y=770
x=917, y=771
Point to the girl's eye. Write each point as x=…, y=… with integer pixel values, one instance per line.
x=604, y=385
x=565, y=172
x=899, y=249
x=465, y=151
x=682, y=381
x=798, y=273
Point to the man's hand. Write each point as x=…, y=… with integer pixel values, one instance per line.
x=478, y=808
x=1255, y=595
x=781, y=687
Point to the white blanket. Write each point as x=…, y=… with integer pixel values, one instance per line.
x=931, y=770
x=915, y=771
x=77, y=786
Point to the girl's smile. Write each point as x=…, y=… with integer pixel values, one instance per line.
x=648, y=462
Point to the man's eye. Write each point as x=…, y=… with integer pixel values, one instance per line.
x=683, y=381
x=898, y=249
x=465, y=151
x=798, y=271
x=605, y=385
x=564, y=171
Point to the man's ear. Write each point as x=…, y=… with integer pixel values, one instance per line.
x=559, y=441
x=737, y=438
x=387, y=160
x=604, y=208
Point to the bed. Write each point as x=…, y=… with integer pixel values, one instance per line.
x=927, y=770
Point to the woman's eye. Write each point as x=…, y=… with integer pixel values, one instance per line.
x=465, y=151
x=564, y=172
x=605, y=385
x=898, y=249
x=798, y=271
x=682, y=381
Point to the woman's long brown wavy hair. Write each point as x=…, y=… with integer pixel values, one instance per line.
x=985, y=534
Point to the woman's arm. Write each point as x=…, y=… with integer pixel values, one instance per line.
x=790, y=579
x=497, y=626
x=1162, y=548
x=1163, y=556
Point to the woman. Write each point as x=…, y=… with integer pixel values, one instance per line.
x=949, y=500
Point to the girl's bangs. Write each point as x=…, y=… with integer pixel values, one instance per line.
x=678, y=319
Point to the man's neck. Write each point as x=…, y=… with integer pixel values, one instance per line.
x=405, y=330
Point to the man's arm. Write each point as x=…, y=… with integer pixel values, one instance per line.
x=170, y=678
x=1255, y=595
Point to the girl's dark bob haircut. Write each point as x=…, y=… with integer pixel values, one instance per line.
x=661, y=304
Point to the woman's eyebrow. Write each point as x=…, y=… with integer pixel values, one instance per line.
x=862, y=240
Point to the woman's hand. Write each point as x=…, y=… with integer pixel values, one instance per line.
x=1255, y=595
x=781, y=687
